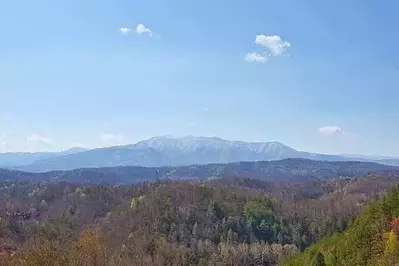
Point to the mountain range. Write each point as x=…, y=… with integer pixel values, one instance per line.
x=168, y=151
x=281, y=170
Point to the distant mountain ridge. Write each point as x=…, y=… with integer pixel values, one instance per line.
x=166, y=151
x=201, y=150
x=96, y=158
x=11, y=159
x=282, y=170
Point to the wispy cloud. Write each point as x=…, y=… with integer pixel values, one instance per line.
x=42, y=140
x=3, y=141
x=334, y=131
x=109, y=137
x=206, y=109
x=79, y=145
x=141, y=29
x=255, y=57
x=124, y=30
x=272, y=45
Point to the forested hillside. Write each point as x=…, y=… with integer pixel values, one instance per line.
x=229, y=221
x=283, y=170
x=371, y=240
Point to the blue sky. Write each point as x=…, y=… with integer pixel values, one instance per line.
x=326, y=77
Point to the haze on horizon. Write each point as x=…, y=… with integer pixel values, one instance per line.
x=316, y=77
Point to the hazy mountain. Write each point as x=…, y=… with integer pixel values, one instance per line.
x=200, y=150
x=282, y=170
x=393, y=162
x=203, y=150
x=367, y=157
x=377, y=159
x=22, y=158
x=10, y=159
x=164, y=151
x=102, y=157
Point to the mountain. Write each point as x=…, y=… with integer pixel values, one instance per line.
x=74, y=150
x=378, y=159
x=366, y=157
x=10, y=159
x=163, y=151
x=102, y=157
x=393, y=162
x=371, y=240
x=201, y=150
x=282, y=170
x=168, y=151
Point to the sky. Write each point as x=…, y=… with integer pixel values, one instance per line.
x=319, y=76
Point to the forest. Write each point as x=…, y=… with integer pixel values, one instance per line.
x=281, y=170
x=222, y=221
x=371, y=240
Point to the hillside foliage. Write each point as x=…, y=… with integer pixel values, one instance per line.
x=230, y=221
x=371, y=240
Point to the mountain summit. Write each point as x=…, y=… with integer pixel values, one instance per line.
x=203, y=150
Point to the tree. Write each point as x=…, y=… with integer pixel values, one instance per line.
x=318, y=260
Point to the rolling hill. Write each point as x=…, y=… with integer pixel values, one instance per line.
x=282, y=170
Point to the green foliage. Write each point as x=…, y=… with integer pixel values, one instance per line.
x=363, y=242
x=391, y=249
x=258, y=211
x=317, y=259
x=215, y=222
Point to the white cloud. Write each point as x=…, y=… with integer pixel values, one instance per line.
x=206, y=109
x=124, y=30
x=255, y=57
x=79, y=145
x=334, y=131
x=272, y=45
x=109, y=137
x=42, y=140
x=3, y=141
x=330, y=130
x=141, y=29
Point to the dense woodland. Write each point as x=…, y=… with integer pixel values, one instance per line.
x=229, y=221
x=371, y=240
